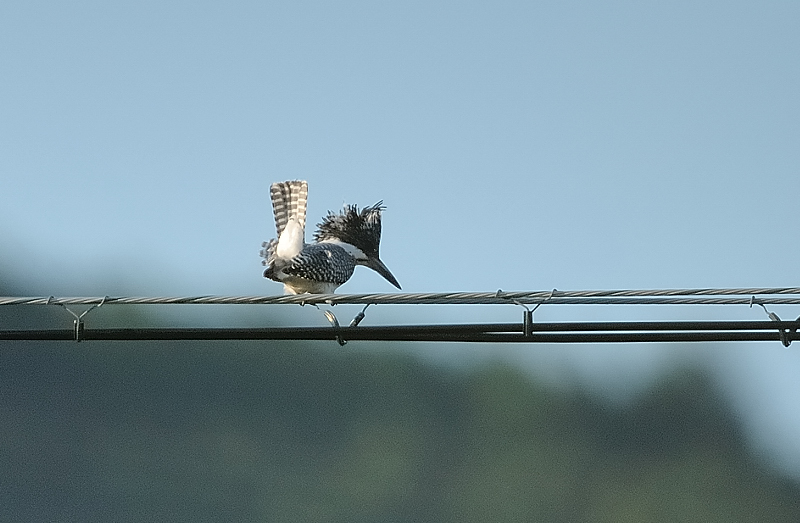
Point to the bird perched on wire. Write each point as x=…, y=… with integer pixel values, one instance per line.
x=342, y=241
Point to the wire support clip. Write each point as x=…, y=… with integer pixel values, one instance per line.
x=527, y=316
x=786, y=335
x=336, y=327
x=78, y=323
x=335, y=323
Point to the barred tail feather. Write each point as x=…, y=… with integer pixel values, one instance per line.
x=289, y=200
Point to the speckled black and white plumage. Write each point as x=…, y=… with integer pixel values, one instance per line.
x=319, y=268
x=343, y=241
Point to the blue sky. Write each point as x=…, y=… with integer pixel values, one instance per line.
x=517, y=145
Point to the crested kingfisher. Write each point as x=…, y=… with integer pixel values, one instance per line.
x=342, y=241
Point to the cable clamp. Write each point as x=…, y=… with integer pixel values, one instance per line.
x=359, y=316
x=527, y=316
x=354, y=323
x=335, y=324
x=78, y=323
x=783, y=333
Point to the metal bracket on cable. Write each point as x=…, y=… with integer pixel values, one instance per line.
x=783, y=333
x=335, y=324
x=333, y=321
x=354, y=323
x=359, y=316
x=527, y=316
x=78, y=323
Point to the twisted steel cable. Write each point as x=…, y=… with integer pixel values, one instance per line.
x=733, y=296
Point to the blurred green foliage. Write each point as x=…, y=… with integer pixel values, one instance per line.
x=247, y=431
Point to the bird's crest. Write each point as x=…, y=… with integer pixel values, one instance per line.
x=359, y=228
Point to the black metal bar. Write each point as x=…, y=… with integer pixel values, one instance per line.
x=38, y=335
x=627, y=337
x=665, y=326
x=591, y=332
x=329, y=334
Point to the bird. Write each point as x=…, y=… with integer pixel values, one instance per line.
x=342, y=241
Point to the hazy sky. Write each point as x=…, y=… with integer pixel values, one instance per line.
x=517, y=145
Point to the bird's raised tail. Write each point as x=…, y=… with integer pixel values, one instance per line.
x=289, y=201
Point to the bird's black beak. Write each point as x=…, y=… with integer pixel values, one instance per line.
x=377, y=265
